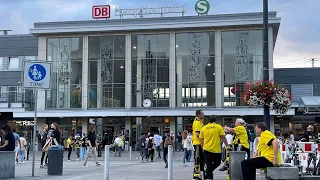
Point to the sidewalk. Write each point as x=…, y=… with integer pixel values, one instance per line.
x=120, y=169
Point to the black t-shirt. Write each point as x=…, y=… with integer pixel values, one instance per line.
x=57, y=135
x=92, y=138
x=11, y=143
x=179, y=137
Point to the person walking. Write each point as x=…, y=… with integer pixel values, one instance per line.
x=267, y=154
x=23, y=144
x=211, y=136
x=187, y=147
x=168, y=141
x=240, y=136
x=92, y=150
x=44, y=138
x=142, y=145
x=69, y=146
x=83, y=148
x=118, y=143
x=196, y=129
x=151, y=147
x=158, y=141
x=78, y=145
x=17, y=143
x=179, y=142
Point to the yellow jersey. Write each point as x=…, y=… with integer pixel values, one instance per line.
x=196, y=127
x=210, y=134
x=265, y=150
x=241, y=136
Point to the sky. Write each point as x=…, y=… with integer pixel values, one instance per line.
x=297, y=42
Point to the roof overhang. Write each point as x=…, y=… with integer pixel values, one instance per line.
x=177, y=112
x=166, y=23
x=309, y=104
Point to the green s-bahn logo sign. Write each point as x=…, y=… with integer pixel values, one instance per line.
x=202, y=7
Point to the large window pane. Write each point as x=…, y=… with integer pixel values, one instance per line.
x=195, y=66
x=150, y=69
x=1, y=63
x=65, y=55
x=106, y=71
x=242, y=63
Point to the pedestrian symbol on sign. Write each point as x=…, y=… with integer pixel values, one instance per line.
x=37, y=72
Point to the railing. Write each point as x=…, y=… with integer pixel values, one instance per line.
x=26, y=98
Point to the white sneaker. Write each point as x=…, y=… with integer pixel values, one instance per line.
x=188, y=164
x=184, y=164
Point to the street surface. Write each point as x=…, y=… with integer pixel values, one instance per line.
x=120, y=169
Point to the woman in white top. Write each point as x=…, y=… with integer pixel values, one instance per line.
x=255, y=144
x=188, y=148
x=23, y=144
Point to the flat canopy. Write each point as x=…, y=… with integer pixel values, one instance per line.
x=310, y=103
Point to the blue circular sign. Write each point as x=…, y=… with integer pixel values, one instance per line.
x=37, y=72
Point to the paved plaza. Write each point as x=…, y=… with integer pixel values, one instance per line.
x=120, y=169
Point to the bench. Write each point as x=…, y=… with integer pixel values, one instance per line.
x=7, y=164
x=282, y=173
x=236, y=157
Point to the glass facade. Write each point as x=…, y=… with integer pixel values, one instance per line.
x=242, y=62
x=150, y=69
x=195, y=69
x=106, y=72
x=65, y=54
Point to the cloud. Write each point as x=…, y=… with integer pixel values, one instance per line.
x=298, y=37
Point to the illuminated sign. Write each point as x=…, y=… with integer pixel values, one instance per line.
x=24, y=123
x=202, y=7
x=148, y=11
x=101, y=12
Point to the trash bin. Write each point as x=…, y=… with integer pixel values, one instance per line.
x=55, y=160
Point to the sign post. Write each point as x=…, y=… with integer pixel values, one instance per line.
x=36, y=75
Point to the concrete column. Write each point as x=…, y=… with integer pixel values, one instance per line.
x=128, y=74
x=179, y=81
x=128, y=123
x=272, y=124
x=139, y=81
x=85, y=72
x=218, y=70
x=173, y=125
x=180, y=124
x=172, y=71
x=42, y=56
x=271, y=47
x=85, y=125
x=99, y=85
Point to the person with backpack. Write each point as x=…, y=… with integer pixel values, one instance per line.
x=142, y=145
x=44, y=139
x=168, y=141
x=150, y=147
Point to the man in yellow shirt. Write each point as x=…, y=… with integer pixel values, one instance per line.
x=198, y=154
x=240, y=136
x=210, y=140
x=267, y=154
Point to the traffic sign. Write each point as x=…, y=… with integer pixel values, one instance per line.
x=37, y=75
x=202, y=7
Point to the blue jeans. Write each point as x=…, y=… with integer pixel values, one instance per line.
x=187, y=155
x=21, y=155
x=83, y=153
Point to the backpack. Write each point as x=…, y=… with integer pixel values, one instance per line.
x=142, y=142
x=150, y=143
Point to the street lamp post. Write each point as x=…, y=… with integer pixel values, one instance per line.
x=266, y=109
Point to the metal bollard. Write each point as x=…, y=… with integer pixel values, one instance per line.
x=106, y=161
x=130, y=154
x=170, y=162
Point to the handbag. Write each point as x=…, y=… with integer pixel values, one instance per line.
x=49, y=144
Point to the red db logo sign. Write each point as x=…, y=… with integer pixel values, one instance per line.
x=99, y=12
